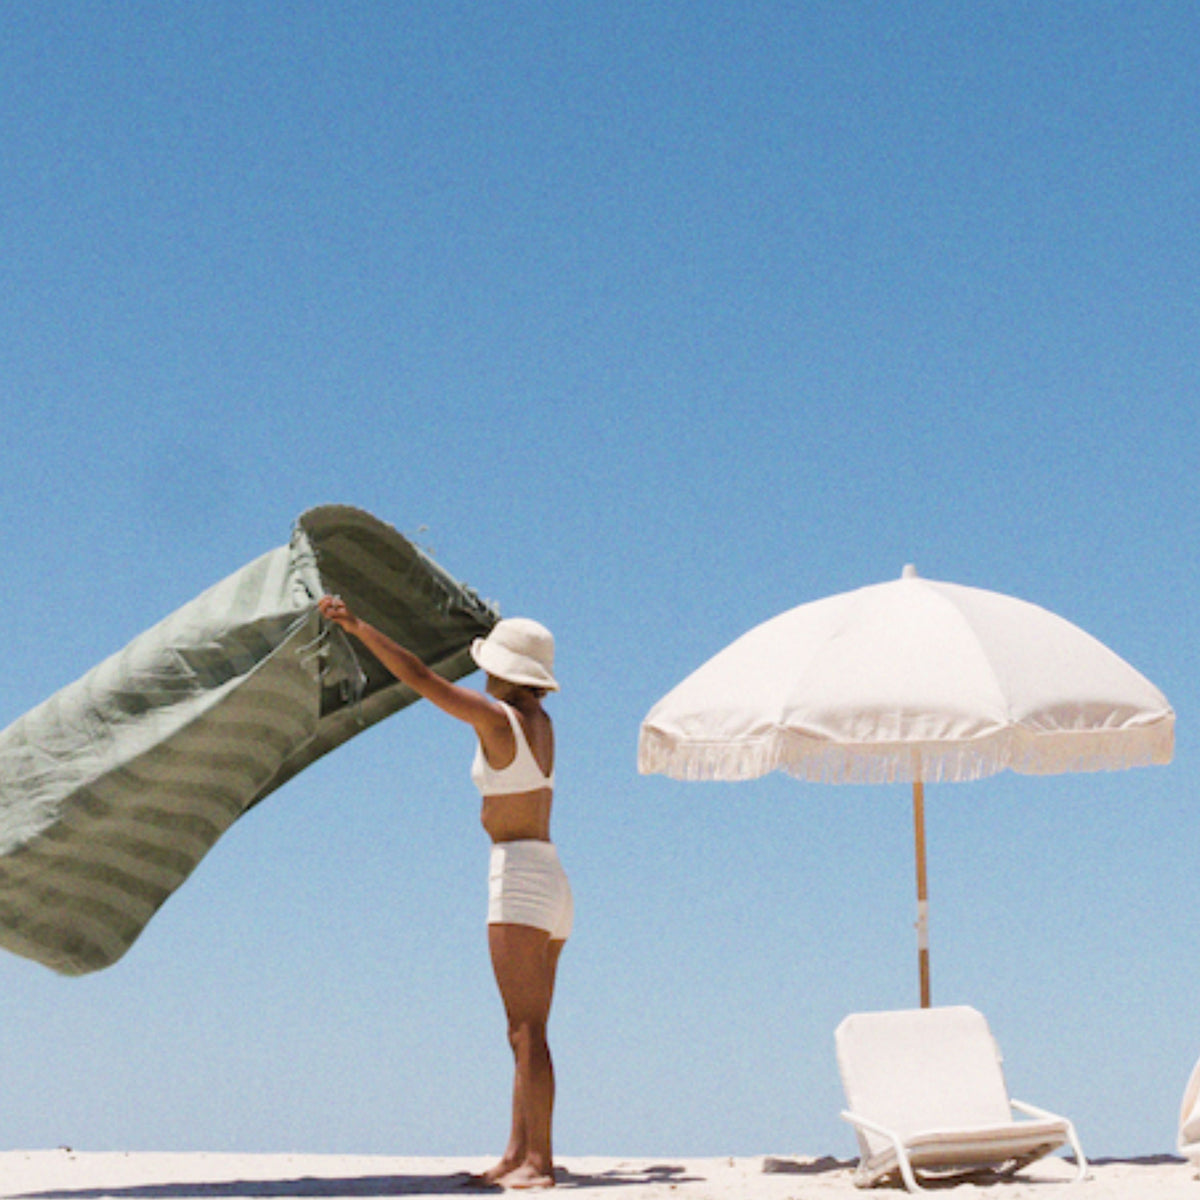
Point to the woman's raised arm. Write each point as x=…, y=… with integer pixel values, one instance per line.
x=476, y=709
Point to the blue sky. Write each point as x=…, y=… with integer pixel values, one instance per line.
x=650, y=320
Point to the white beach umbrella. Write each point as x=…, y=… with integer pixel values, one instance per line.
x=913, y=680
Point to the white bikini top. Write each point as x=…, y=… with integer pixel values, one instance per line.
x=523, y=774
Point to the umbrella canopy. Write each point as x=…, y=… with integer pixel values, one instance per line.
x=913, y=680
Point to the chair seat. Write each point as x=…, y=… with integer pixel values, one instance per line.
x=995, y=1148
x=984, y=1146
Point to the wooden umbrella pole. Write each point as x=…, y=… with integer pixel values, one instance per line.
x=922, y=891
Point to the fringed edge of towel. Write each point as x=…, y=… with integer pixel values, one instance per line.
x=817, y=761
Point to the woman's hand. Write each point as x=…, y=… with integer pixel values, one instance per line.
x=333, y=608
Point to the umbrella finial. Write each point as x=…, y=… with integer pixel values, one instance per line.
x=909, y=572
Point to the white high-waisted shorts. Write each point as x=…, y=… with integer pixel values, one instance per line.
x=528, y=886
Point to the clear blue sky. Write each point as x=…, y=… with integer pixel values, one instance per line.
x=650, y=320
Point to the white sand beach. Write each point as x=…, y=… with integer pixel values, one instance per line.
x=65, y=1174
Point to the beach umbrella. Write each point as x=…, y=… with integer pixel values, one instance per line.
x=909, y=681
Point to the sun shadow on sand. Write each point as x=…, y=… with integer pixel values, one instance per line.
x=322, y=1188
x=1146, y=1160
x=626, y=1177
x=307, y=1186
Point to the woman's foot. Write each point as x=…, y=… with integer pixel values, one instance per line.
x=527, y=1177
x=493, y=1175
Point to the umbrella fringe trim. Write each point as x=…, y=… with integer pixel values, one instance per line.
x=1026, y=753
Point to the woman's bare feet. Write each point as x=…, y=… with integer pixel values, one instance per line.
x=527, y=1177
x=493, y=1175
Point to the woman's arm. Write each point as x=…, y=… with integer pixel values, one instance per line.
x=467, y=705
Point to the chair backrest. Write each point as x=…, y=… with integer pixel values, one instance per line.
x=1189, y=1113
x=922, y=1069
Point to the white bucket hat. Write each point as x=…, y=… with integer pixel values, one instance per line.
x=518, y=650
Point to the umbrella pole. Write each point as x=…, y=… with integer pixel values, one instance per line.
x=922, y=891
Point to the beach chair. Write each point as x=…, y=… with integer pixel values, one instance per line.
x=926, y=1095
x=1189, y=1119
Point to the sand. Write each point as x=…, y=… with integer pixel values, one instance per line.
x=66, y=1174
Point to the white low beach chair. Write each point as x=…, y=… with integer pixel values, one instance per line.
x=926, y=1095
x=1189, y=1119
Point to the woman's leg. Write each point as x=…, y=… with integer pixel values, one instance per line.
x=525, y=961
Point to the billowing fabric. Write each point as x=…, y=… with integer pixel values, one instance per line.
x=113, y=789
x=909, y=680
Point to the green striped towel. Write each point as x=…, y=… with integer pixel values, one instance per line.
x=112, y=790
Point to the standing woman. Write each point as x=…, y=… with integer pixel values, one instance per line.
x=529, y=900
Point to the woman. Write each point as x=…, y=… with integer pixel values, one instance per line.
x=529, y=900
